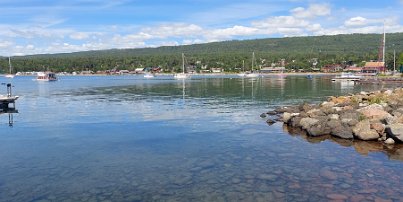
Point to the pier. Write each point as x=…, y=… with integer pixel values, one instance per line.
x=6, y=100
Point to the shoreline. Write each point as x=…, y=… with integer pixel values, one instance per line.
x=201, y=74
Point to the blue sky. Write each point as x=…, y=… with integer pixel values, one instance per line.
x=59, y=26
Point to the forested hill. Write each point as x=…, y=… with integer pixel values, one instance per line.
x=227, y=54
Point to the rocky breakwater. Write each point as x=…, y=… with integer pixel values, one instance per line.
x=376, y=116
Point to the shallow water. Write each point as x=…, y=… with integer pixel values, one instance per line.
x=126, y=138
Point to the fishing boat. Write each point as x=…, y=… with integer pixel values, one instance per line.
x=347, y=76
x=10, y=74
x=46, y=76
x=182, y=75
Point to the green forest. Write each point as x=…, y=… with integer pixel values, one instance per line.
x=298, y=52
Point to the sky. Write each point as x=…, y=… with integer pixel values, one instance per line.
x=30, y=27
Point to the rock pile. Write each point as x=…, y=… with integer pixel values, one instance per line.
x=366, y=116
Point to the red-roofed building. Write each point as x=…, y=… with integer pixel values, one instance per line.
x=332, y=68
x=373, y=68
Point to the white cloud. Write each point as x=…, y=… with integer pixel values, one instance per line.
x=356, y=21
x=79, y=35
x=281, y=22
x=173, y=30
x=5, y=44
x=312, y=11
x=232, y=31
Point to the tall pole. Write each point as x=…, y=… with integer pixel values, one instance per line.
x=9, y=64
x=183, y=63
x=384, y=43
x=394, y=59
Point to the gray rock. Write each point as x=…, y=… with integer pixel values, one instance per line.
x=334, y=123
x=364, y=132
x=334, y=116
x=308, y=122
x=391, y=120
x=374, y=111
x=342, y=132
x=295, y=122
x=270, y=122
x=263, y=115
x=315, y=113
x=319, y=130
x=389, y=141
x=286, y=117
x=395, y=131
x=350, y=118
x=327, y=104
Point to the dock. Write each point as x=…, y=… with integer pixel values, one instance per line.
x=6, y=100
x=380, y=81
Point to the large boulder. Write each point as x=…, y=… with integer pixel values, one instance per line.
x=286, y=117
x=319, y=130
x=339, y=130
x=395, y=131
x=295, y=122
x=315, y=113
x=374, y=111
x=363, y=131
x=308, y=122
x=342, y=132
x=350, y=118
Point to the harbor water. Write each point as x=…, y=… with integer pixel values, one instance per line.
x=128, y=138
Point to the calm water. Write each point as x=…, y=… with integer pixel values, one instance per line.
x=127, y=138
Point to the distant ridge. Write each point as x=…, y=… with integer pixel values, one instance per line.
x=349, y=43
x=226, y=54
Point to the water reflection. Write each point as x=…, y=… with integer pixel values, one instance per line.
x=394, y=152
x=9, y=112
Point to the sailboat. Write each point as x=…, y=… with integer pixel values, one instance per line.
x=182, y=75
x=10, y=75
x=252, y=74
x=242, y=74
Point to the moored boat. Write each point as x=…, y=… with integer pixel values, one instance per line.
x=347, y=77
x=46, y=76
x=182, y=75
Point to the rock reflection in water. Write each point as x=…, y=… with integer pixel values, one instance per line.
x=394, y=152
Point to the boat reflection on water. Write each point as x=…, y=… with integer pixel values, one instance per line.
x=10, y=112
x=394, y=152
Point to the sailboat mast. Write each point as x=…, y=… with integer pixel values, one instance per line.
x=253, y=59
x=243, y=65
x=9, y=64
x=183, y=63
x=384, y=43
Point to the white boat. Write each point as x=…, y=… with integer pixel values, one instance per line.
x=252, y=74
x=46, y=76
x=9, y=75
x=182, y=75
x=347, y=77
x=149, y=75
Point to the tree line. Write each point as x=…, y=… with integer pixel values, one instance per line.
x=298, y=52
